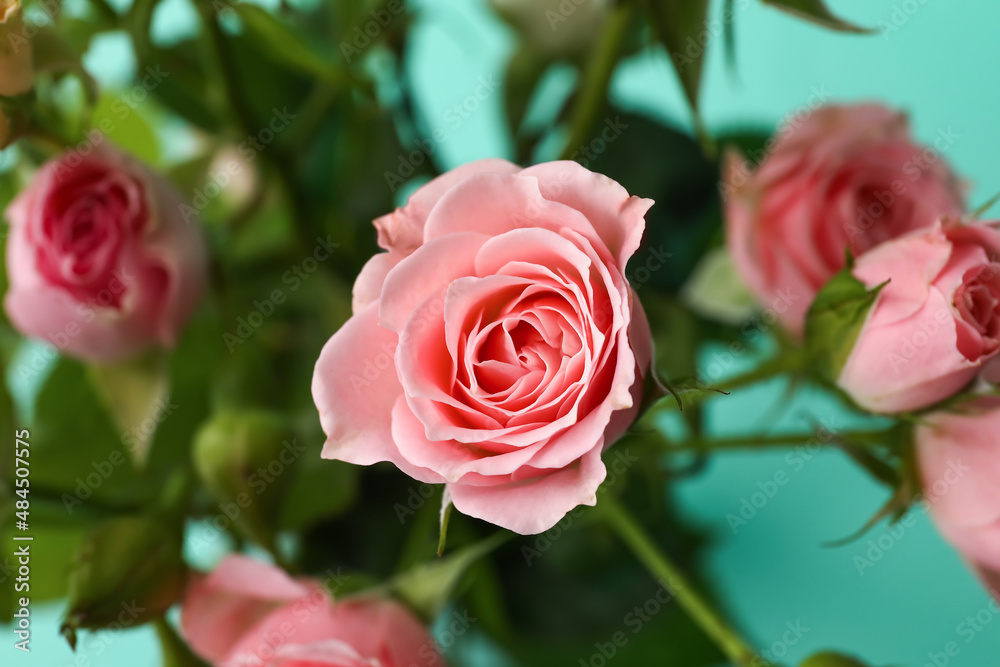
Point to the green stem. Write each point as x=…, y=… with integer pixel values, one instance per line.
x=788, y=361
x=661, y=567
x=597, y=77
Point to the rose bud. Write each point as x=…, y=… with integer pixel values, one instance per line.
x=959, y=455
x=838, y=178
x=16, y=70
x=497, y=346
x=831, y=659
x=929, y=323
x=249, y=613
x=100, y=262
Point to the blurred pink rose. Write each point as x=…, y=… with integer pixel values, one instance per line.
x=934, y=324
x=248, y=614
x=497, y=346
x=842, y=177
x=960, y=464
x=101, y=263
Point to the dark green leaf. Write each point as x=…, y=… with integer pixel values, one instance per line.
x=681, y=26
x=817, y=12
x=285, y=44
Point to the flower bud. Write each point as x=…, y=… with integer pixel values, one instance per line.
x=128, y=572
x=244, y=459
x=831, y=659
x=16, y=69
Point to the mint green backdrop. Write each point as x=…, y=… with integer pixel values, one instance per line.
x=941, y=65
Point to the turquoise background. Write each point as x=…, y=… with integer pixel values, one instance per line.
x=941, y=65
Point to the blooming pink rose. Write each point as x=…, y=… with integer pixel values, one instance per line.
x=497, y=346
x=960, y=464
x=249, y=614
x=935, y=323
x=101, y=263
x=839, y=178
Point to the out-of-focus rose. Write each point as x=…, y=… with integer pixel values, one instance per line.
x=934, y=324
x=101, y=263
x=497, y=346
x=16, y=71
x=841, y=177
x=960, y=464
x=248, y=614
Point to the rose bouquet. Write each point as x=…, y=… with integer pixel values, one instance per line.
x=274, y=361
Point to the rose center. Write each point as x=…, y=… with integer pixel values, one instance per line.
x=978, y=300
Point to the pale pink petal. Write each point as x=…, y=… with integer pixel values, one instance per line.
x=617, y=217
x=355, y=386
x=220, y=607
x=531, y=505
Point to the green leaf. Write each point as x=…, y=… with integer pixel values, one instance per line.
x=286, y=45
x=124, y=124
x=136, y=393
x=176, y=653
x=76, y=450
x=129, y=571
x=835, y=320
x=679, y=24
x=428, y=587
x=816, y=12
x=322, y=490
x=716, y=291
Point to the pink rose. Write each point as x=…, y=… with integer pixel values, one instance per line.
x=960, y=463
x=934, y=324
x=839, y=178
x=249, y=614
x=497, y=346
x=101, y=263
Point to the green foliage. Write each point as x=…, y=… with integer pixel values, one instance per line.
x=128, y=571
x=835, y=319
x=815, y=11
